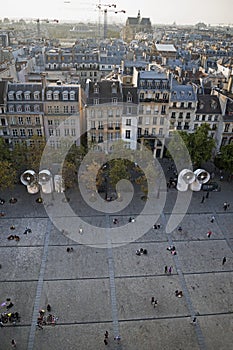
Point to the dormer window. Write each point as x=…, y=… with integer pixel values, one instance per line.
x=72, y=95
x=65, y=95
x=11, y=95
x=96, y=89
x=19, y=95
x=56, y=95
x=27, y=95
x=129, y=97
x=49, y=95
x=37, y=95
x=114, y=100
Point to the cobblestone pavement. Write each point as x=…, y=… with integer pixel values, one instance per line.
x=92, y=290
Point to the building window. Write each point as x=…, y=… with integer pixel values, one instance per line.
x=65, y=109
x=56, y=95
x=27, y=108
x=160, y=131
x=114, y=100
x=127, y=134
x=139, y=120
x=50, y=132
x=153, y=131
x=57, y=132
x=173, y=115
x=147, y=121
x=65, y=95
x=39, y=132
x=28, y=120
x=188, y=115
x=181, y=115
x=128, y=122
x=163, y=109
x=52, y=144
x=50, y=122
x=37, y=120
x=129, y=110
x=14, y=132
x=197, y=117
x=36, y=95
x=227, y=126
x=93, y=137
x=19, y=95
x=56, y=109
x=27, y=95
x=129, y=98
x=20, y=120
x=100, y=138
x=146, y=132
x=161, y=121
x=154, y=120
x=72, y=122
x=73, y=132
x=11, y=108
x=72, y=109
x=190, y=105
x=203, y=117
x=96, y=101
x=30, y=132
x=67, y=132
x=92, y=124
x=50, y=109
x=36, y=108
x=56, y=122
x=22, y=132
x=49, y=95
x=19, y=108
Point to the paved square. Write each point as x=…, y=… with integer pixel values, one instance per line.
x=92, y=290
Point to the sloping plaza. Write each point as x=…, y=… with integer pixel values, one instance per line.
x=92, y=290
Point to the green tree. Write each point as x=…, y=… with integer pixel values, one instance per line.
x=69, y=174
x=7, y=175
x=202, y=145
x=34, y=153
x=118, y=170
x=226, y=157
x=19, y=158
x=4, y=150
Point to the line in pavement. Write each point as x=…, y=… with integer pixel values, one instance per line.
x=199, y=333
x=39, y=287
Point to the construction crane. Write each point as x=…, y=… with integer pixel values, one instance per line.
x=38, y=21
x=106, y=20
x=105, y=9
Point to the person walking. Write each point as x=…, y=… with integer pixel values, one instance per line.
x=152, y=300
x=224, y=260
x=225, y=206
x=105, y=341
x=209, y=233
x=170, y=270
x=212, y=219
x=203, y=199
x=13, y=343
x=165, y=269
x=207, y=194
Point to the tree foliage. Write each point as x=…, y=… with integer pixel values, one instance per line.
x=7, y=175
x=226, y=157
x=200, y=145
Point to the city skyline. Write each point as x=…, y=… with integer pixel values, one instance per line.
x=172, y=11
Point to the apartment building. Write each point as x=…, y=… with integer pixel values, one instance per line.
x=154, y=88
x=182, y=107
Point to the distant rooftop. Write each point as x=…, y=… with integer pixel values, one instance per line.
x=165, y=47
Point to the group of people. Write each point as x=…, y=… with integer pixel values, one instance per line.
x=172, y=249
x=178, y=293
x=16, y=237
x=43, y=320
x=7, y=316
x=141, y=251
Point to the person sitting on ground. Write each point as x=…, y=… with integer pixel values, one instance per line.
x=145, y=251
x=11, y=237
x=138, y=252
x=115, y=221
x=16, y=238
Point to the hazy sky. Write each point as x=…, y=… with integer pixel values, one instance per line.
x=166, y=11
